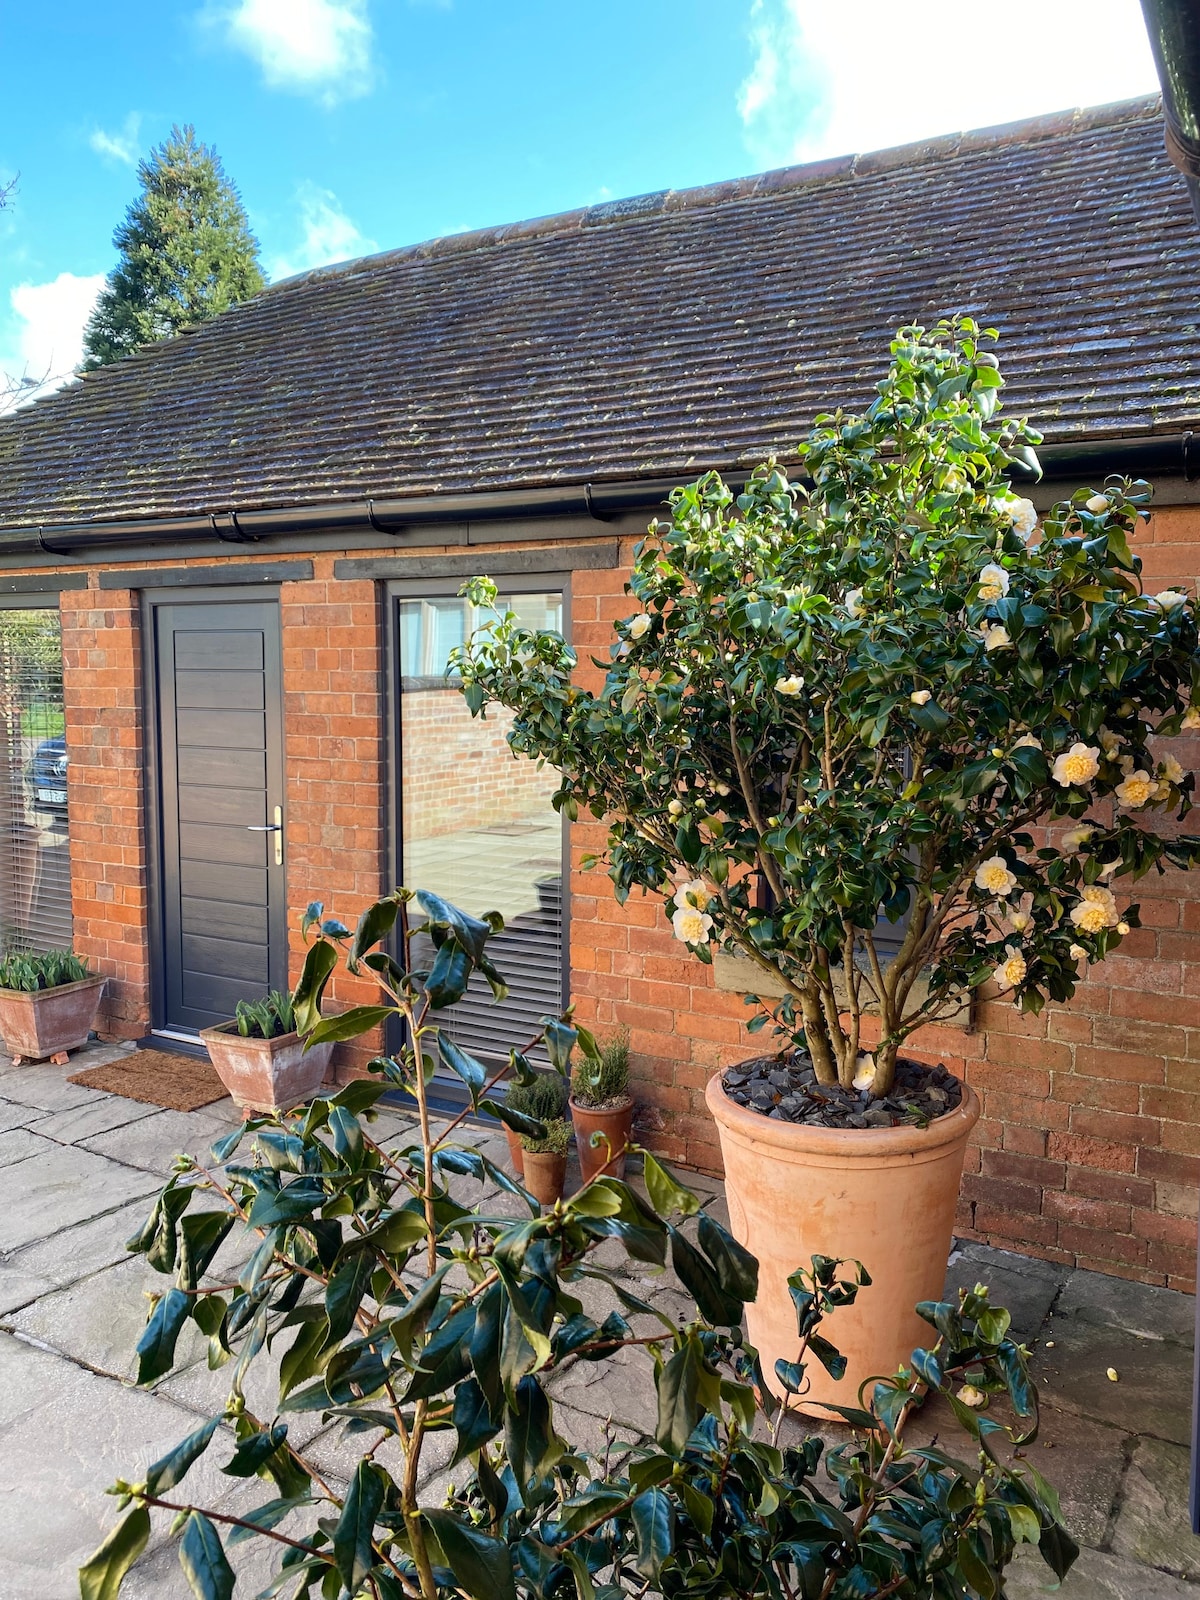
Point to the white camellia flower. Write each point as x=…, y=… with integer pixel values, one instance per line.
x=994, y=877
x=1191, y=719
x=1109, y=867
x=969, y=1395
x=695, y=893
x=1097, y=504
x=1170, y=771
x=1122, y=928
x=1078, y=953
x=789, y=686
x=1075, y=837
x=640, y=625
x=995, y=636
x=921, y=697
x=1019, y=921
x=993, y=583
x=1021, y=513
x=1011, y=970
x=1077, y=766
x=675, y=808
x=1096, y=910
x=864, y=1075
x=1135, y=790
x=853, y=602
x=1028, y=741
x=1169, y=599
x=1109, y=743
x=691, y=925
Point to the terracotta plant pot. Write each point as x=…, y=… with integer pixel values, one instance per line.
x=882, y=1196
x=266, y=1074
x=516, y=1151
x=49, y=1022
x=545, y=1174
x=615, y=1124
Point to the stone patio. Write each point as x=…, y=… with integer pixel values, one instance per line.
x=76, y=1170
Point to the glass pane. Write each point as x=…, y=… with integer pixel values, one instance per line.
x=478, y=827
x=35, y=866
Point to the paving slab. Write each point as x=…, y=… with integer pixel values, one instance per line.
x=19, y=1144
x=15, y=1115
x=18, y=1288
x=85, y=1247
x=44, y=1088
x=1153, y=1525
x=1024, y=1287
x=65, y=1434
x=152, y=1142
x=64, y=1185
x=101, y=1114
x=99, y=1320
x=1151, y=1313
x=1094, y=1576
x=1153, y=1391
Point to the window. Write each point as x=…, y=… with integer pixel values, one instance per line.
x=35, y=865
x=476, y=823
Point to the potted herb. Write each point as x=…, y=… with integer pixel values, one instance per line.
x=851, y=703
x=262, y=1055
x=540, y=1095
x=544, y=1160
x=601, y=1107
x=434, y=1333
x=48, y=1004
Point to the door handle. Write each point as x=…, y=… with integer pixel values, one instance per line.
x=276, y=828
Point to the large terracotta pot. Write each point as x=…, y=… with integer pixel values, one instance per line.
x=615, y=1125
x=48, y=1022
x=266, y=1075
x=882, y=1196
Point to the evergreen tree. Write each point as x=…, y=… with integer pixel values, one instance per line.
x=187, y=253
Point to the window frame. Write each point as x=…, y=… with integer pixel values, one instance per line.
x=424, y=588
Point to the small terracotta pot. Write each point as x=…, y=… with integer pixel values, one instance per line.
x=607, y=1156
x=267, y=1075
x=516, y=1150
x=545, y=1174
x=48, y=1022
x=882, y=1196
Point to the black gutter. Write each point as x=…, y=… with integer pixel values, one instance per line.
x=1173, y=455
x=1174, y=29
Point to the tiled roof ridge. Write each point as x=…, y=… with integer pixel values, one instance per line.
x=922, y=152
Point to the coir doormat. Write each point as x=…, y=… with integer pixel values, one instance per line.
x=157, y=1078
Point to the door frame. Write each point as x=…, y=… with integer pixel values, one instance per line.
x=151, y=600
x=396, y=589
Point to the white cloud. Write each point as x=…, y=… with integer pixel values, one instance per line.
x=326, y=234
x=831, y=80
x=317, y=47
x=43, y=343
x=122, y=146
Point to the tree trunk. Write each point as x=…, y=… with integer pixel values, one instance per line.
x=885, y=1069
x=816, y=1036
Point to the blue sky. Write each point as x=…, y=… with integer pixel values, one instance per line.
x=359, y=125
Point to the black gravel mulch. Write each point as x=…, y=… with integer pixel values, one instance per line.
x=786, y=1088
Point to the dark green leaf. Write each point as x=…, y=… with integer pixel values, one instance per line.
x=699, y=1279
x=737, y=1269
x=531, y=1442
x=472, y=1420
x=203, y=1560
x=470, y=932
x=449, y=976
x=167, y=1471
x=349, y=1025
x=653, y=1518
x=344, y=1293
x=376, y=922
x=319, y=963
x=156, y=1347
x=678, y=1407
x=100, y=1577
x=355, y=1531
x=466, y=1066
x=254, y=1451
x=481, y=1565
x=666, y=1195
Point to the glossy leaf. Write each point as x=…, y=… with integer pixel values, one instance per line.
x=481, y=1565
x=170, y=1469
x=156, y=1347
x=100, y=1577
x=203, y=1559
x=353, y=1537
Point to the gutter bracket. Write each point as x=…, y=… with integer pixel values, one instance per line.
x=236, y=535
x=596, y=516
x=373, y=520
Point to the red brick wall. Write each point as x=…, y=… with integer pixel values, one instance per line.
x=102, y=684
x=1088, y=1150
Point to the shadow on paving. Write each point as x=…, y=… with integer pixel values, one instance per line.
x=77, y=1167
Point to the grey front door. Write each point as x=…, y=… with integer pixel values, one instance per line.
x=221, y=888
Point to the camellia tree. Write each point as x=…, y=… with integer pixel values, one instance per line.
x=868, y=695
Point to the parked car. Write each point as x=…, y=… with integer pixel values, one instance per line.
x=46, y=777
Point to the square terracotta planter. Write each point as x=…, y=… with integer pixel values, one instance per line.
x=266, y=1075
x=39, y=1023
